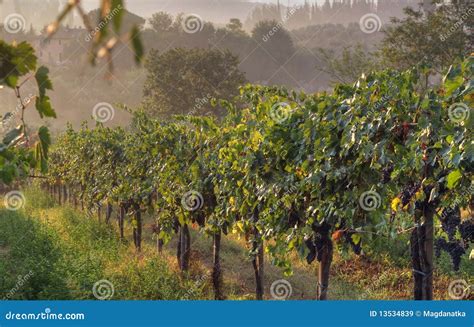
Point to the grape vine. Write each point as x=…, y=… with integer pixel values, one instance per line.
x=290, y=172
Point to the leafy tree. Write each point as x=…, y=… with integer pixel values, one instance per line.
x=274, y=40
x=161, y=21
x=183, y=81
x=438, y=37
x=235, y=39
x=234, y=25
x=351, y=64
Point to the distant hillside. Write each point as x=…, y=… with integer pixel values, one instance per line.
x=216, y=11
x=41, y=12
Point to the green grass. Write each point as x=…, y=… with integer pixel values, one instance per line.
x=64, y=253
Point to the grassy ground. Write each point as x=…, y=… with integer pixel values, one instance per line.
x=51, y=252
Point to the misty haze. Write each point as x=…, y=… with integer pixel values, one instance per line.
x=315, y=30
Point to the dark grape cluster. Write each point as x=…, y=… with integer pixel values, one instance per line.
x=293, y=219
x=439, y=244
x=453, y=248
x=347, y=235
x=419, y=205
x=199, y=218
x=466, y=229
x=315, y=245
x=386, y=172
x=318, y=241
x=408, y=193
x=357, y=248
x=450, y=219
x=322, y=229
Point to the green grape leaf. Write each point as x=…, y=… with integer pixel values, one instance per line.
x=44, y=83
x=137, y=44
x=453, y=178
x=44, y=108
x=40, y=159
x=44, y=138
x=117, y=12
x=8, y=173
x=15, y=61
x=24, y=58
x=356, y=238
